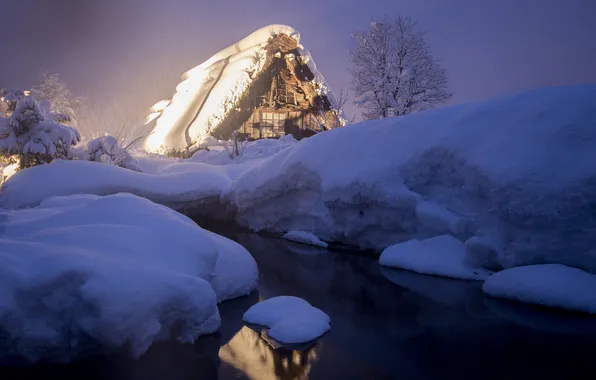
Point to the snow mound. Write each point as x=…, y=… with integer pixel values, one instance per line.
x=440, y=256
x=515, y=172
x=550, y=285
x=180, y=184
x=304, y=238
x=85, y=273
x=289, y=319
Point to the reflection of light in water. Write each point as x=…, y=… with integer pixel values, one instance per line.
x=247, y=352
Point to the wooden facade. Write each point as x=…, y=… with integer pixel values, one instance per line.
x=283, y=99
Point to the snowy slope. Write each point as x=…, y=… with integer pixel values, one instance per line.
x=517, y=173
x=209, y=91
x=118, y=271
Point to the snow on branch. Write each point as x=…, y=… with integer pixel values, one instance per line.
x=393, y=71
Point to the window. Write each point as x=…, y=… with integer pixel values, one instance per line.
x=272, y=124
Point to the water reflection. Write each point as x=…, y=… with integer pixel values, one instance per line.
x=384, y=324
x=252, y=355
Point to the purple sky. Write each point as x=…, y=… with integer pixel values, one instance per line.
x=134, y=48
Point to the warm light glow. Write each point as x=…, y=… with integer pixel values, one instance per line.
x=249, y=353
x=9, y=171
x=210, y=91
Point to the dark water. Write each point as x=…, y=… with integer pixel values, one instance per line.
x=384, y=324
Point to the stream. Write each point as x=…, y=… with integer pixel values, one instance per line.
x=385, y=324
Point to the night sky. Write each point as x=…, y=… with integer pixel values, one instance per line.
x=119, y=49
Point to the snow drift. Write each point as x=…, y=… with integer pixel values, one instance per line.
x=516, y=174
x=178, y=184
x=84, y=272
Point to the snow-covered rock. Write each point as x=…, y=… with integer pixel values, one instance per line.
x=304, y=238
x=440, y=256
x=84, y=272
x=517, y=172
x=289, y=319
x=550, y=285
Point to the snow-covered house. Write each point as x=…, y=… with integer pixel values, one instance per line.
x=266, y=85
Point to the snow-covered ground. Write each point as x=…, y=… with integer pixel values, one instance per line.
x=512, y=178
x=440, y=256
x=179, y=184
x=550, y=285
x=289, y=319
x=118, y=271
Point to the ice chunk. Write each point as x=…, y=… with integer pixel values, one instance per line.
x=289, y=319
x=440, y=256
x=552, y=285
x=305, y=238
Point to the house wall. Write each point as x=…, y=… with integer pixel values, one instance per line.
x=274, y=123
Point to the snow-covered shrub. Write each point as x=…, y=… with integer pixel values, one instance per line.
x=27, y=134
x=105, y=149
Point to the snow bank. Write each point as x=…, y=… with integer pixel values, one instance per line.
x=290, y=319
x=180, y=184
x=83, y=272
x=550, y=285
x=516, y=173
x=305, y=238
x=440, y=256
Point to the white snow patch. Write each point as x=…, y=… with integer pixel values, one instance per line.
x=289, y=319
x=552, y=285
x=304, y=238
x=440, y=256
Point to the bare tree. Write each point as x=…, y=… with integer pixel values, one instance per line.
x=63, y=103
x=393, y=72
x=341, y=100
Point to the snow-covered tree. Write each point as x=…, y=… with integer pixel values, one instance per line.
x=57, y=102
x=28, y=135
x=105, y=149
x=393, y=71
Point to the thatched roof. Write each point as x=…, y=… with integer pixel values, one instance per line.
x=211, y=92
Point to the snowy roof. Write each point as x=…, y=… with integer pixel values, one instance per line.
x=212, y=89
